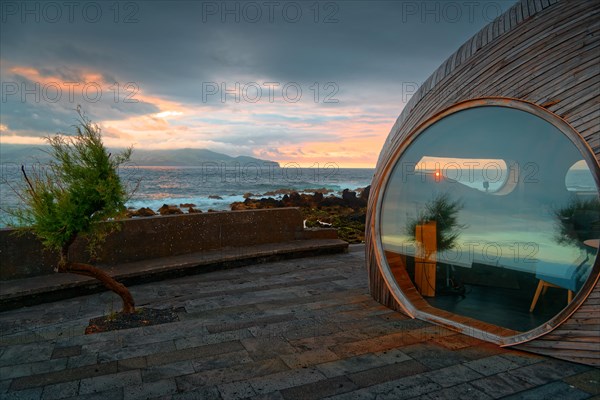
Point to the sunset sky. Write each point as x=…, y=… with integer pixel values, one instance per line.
x=306, y=82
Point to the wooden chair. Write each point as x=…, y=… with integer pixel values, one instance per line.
x=542, y=288
x=570, y=282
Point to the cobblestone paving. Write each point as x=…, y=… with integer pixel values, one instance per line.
x=297, y=329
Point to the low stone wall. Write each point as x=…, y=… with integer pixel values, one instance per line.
x=154, y=237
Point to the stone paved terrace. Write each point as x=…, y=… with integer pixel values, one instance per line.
x=295, y=329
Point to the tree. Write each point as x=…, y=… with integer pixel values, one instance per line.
x=79, y=194
x=577, y=222
x=444, y=212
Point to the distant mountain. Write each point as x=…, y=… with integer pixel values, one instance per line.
x=20, y=154
x=190, y=157
x=25, y=154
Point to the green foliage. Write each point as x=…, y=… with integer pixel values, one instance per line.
x=79, y=188
x=578, y=221
x=444, y=212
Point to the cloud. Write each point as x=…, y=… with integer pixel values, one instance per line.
x=186, y=76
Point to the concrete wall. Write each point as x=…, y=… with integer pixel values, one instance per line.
x=161, y=236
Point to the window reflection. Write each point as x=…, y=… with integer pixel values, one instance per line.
x=487, y=175
x=579, y=179
x=491, y=212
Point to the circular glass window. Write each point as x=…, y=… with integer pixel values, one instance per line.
x=493, y=213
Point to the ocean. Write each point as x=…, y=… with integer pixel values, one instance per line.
x=215, y=186
x=212, y=186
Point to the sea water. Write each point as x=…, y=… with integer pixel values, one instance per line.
x=211, y=186
x=215, y=186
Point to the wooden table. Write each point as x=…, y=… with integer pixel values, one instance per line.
x=595, y=243
x=426, y=263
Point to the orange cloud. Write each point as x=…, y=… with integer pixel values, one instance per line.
x=305, y=132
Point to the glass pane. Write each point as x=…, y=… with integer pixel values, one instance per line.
x=488, y=209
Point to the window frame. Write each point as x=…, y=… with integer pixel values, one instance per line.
x=405, y=293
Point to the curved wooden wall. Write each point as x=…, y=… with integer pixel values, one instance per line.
x=546, y=52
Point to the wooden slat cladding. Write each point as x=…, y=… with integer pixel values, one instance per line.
x=577, y=339
x=546, y=52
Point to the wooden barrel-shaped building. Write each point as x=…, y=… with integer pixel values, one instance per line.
x=484, y=214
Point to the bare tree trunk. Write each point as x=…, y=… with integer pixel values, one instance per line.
x=89, y=270
x=108, y=281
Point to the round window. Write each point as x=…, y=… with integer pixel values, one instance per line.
x=493, y=213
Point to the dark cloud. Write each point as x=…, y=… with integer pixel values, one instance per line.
x=176, y=43
x=171, y=49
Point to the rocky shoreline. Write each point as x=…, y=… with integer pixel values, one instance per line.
x=319, y=209
x=346, y=213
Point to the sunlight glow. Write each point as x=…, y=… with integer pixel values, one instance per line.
x=304, y=132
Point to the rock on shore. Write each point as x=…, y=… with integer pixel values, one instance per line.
x=346, y=213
